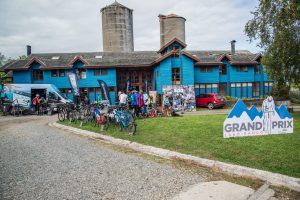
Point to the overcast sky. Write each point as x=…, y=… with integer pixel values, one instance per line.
x=75, y=25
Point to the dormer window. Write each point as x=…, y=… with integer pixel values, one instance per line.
x=176, y=48
x=81, y=73
x=257, y=69
x=37, y=75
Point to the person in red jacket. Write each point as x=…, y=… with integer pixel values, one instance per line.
x=36, y=103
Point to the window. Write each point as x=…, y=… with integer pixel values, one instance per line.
x=61, y=72
x=81, y=73
x=135, y=77
x=223, y=89
x=104, y=71
x=257, y=69
x=176, y=76
x=242, y=68
x=208, y=87
x=256, y=89
x=37, y=74
x=56, y=73
x=268, y=87
x=206, y=69
x=97, y=72
x=223, y=70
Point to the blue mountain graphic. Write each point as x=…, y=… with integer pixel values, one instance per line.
x=240, y=107
x=283, y=112
x=253, y=112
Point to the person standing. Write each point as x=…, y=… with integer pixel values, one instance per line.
x=135, y=101
x=122, y=99
x=36, y=103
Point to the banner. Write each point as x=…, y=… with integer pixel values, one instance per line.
x=146, y=86
x=104, y=91
x=74, y=83
x=153, y=96
x=182, y=97
x=128, y=84
x=242, y=121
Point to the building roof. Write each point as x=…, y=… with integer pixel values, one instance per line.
x=171, y=42
x=161, y=16
x=115, y=4
x=125, y=59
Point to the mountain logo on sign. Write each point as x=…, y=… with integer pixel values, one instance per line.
x=239, y=108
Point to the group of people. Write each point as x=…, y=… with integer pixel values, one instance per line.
x=38, y=103
x=139, y=101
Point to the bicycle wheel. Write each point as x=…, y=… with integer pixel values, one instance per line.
x=61, y=114
x=72, y=116
x=131, y=129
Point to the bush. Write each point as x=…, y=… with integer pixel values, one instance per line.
x=280, y=94
x=295, y=96
x=229, y=98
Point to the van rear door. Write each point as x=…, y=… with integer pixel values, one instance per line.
x=42, y=92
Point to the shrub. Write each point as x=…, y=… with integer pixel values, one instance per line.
x=295, y=96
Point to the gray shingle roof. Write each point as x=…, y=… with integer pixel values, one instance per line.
x=117, y=59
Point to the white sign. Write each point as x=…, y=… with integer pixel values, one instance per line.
x=250, y=122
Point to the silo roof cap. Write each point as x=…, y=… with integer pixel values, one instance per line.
x=115, y=4
x=172, y=15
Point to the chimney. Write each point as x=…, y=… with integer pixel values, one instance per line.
x=232, y=47
x=28, y=50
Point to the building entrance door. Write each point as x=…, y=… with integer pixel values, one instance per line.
x=137, y=78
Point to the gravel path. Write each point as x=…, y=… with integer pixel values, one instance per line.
x=39, y=162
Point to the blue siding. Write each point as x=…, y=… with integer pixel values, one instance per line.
x=22, y=76
x=92, y=80
x=207, y=77
x=236, y=76
x=59, y=82
x=187, y=72
x=164, y=74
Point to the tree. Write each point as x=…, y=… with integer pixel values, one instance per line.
x=2, y=60
x=276, y=27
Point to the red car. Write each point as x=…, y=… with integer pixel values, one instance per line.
x=210, y=100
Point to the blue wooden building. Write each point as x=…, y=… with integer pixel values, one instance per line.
x=230, y=73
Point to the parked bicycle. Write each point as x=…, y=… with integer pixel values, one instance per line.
x=125, y=120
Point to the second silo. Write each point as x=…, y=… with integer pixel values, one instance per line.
x=117, y=28
x=171, y=26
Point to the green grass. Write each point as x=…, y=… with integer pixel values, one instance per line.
x=202, y=136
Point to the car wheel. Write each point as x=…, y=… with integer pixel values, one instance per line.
x=210, y=106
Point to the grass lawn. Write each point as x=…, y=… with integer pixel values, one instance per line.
x=202, y=136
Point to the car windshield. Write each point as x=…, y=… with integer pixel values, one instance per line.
x=219, y=97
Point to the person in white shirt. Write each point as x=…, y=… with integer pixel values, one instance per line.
x=122, y=99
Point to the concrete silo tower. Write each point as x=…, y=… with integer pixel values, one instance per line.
x=171, y=26
x=117, y=28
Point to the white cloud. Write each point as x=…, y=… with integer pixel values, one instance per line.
x=73, y=26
